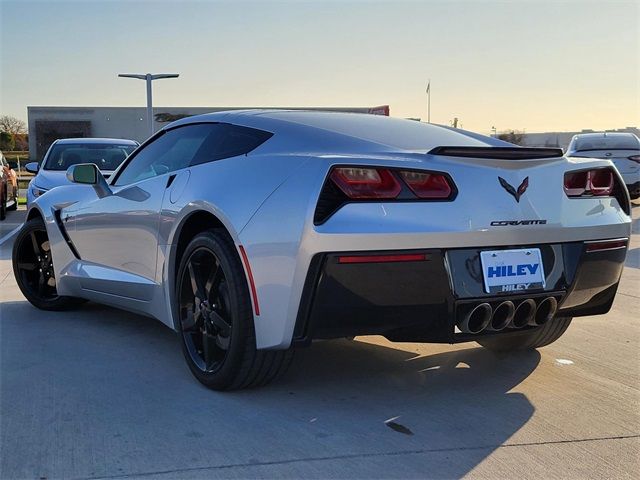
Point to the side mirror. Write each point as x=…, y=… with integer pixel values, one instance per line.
x=85, y=173
x=32, y=167
x=89, y=174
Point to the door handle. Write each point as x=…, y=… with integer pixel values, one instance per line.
x=170, y=180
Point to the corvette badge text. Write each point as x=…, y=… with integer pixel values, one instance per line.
x=515, y=223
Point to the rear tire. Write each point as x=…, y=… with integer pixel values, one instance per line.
x=216, y=318
x=33, y=268
x=540, y=337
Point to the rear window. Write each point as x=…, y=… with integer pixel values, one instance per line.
x=606, y=143
x=226, y=141
x=105, y=156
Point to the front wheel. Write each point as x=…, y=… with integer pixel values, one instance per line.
x=216, y=318
x=33, y=268
x=540, y=337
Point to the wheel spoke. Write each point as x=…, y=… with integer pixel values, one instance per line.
x=207, y=350
x=195, y=284
x=220, y=323
x=41, y=284
x=213, y=280
x=189, y=323
x=223, y=342
x=34, y=243
x=27, y=266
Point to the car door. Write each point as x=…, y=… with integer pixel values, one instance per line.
x=120, y=231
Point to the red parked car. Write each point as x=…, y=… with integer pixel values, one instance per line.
x=8, y=187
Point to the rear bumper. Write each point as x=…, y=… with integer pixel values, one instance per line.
x=420, y=300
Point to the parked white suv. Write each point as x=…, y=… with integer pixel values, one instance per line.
x=622, y=148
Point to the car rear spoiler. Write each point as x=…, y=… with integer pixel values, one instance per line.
x=502, y=153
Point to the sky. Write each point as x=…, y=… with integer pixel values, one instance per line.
x=526, y=65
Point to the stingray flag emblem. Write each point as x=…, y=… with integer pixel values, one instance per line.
x=516, y=193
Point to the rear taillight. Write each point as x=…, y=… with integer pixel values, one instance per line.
x=588, y=183
x=366, y=183
x=634, y=158
x=576, y=183
x=601, y=182
x=348, y=184
x=597, y=182
x=427, y=185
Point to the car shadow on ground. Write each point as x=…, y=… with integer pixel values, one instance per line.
x=110, y=390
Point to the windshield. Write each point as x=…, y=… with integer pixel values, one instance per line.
x=107, y=156
x=627, y=142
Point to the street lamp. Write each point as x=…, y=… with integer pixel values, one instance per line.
x=149, y=77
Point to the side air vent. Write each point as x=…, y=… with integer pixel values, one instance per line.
x=65, y=235
x=500, y=153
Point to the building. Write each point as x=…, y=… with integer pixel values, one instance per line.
x=46, y=124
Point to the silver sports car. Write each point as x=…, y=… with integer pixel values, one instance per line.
x=254, y=232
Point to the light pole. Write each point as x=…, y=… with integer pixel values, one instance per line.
x=149, y=77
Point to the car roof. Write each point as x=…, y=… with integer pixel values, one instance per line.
x=604, y=135
x=360, y=128
x=116, y=141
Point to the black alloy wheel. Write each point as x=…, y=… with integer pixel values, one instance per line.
x=205, y=310
x=33, y=268
x=215, y=317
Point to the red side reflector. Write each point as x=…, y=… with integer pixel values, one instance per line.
x=405, y=257
x=252, y=285
x=608, y=245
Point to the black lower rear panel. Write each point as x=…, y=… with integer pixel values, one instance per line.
x=417, y=300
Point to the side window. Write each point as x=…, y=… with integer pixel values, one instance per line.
x=227, y=141
x=171, y=151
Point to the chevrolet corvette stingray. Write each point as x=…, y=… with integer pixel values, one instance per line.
x=254, y=232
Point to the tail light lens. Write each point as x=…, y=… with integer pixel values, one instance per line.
x=598, y=182
x=427, y=185
x=601, y=182
x=366, y=183
x=635, y=158
x=354, y=183
x=576, y=183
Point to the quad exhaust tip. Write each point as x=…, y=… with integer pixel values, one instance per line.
x=524, y=314
x=545, y=312
x=476, y=319
x=502, y=316
x=506, y=314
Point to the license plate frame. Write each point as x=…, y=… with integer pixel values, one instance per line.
x=512, y=271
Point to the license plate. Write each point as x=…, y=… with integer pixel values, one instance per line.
x=512, y=270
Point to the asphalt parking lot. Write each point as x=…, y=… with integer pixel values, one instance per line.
x=99, y=393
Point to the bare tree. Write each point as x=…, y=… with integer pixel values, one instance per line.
x=12, y=125
x=512, y=136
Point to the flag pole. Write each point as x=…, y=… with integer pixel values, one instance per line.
x=429, y=101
